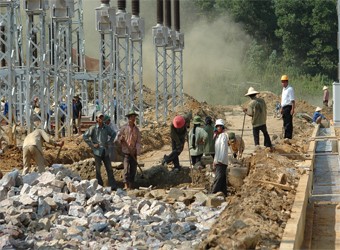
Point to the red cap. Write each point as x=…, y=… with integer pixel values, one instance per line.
x=178, y=121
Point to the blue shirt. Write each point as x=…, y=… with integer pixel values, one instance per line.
x=99, y=135
x=316, y=115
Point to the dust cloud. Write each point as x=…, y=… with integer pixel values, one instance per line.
x=212, y=57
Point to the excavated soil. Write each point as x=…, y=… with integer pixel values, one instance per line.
x=257, y=211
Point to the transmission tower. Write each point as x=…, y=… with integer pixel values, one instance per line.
x=10, y=55
x=36, y=65
x=62, y=13
x=160, y=40
x=123, y=22
x=105, y=20
x=136, y=60
x=178, y=58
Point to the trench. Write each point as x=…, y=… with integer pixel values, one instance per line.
x=322, y=229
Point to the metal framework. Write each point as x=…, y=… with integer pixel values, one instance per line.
x=136, y=66
x=177, y=96
x=123, y=22
x=78, y=46
x=160, y=38
x=63, y=89
x=9, y=56
x=36, y=70
x=105, y=19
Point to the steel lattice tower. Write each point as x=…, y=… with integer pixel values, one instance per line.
x=123, y=22
x=78, y=45
x=160, y=39
x=36, y=65
x=178, y=58
x=10, y=52
x=105, y=20
x=136, y=61
x=62, y=13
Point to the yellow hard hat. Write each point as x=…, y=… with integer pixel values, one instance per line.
x=284, y=78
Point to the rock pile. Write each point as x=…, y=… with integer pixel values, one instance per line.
x=56, y=209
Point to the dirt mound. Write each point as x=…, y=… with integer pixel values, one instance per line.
x=257, y=214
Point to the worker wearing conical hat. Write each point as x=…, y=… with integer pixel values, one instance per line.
x=325, y=96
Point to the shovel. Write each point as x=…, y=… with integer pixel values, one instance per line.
x=244, y=119
x=59, y=151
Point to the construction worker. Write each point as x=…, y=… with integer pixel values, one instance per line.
x=236, y=144
x=77, y=113
x=325, y=96
x=32, y=149
x=197, y=138
x=319, y=118
x=178, y=133
x=98, y=138
x=287, y=107
x=257, y=109
x=107, y=121
x=129, y=138
x=220, y=159
x=209, y=148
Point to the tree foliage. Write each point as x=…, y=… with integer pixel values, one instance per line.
x=303, y=33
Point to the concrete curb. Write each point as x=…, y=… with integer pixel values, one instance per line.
x=293, y=234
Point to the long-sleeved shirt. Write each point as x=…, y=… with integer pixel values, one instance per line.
x=99, y=135
x=132, y=142
x=178, y=134
x=209, y=147
x=326, y=95
x=37, y=138
x=200, y=138
x=257, y=109
x=221, y=149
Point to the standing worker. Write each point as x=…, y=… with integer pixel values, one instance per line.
x=197, y=138
x=32, y=149
x=178, y=133
x=209, y=148
x=129, y=137
x=220, y=159
x=77, y=113
x=257, y=109
x=287, y=107
x=107, y=121
x=98, y=138
x=325, y=96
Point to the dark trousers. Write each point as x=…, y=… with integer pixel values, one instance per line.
x=196, y=158
x=173, y=156
x=107, y=164
x=130, y=168
x=256, y=134
x=220, y=181
x=287, y=121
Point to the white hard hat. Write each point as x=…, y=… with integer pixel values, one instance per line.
x=219, y=122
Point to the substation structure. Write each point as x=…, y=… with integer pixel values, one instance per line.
x=47, y=61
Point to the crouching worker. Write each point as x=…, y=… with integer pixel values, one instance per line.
x=221, y=158
x=98, y=137
x=236, y=144
x=319, y=118
x=32, y=149
x=178, y=133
